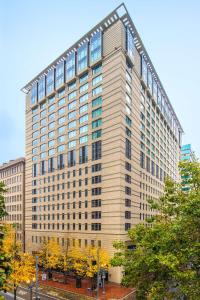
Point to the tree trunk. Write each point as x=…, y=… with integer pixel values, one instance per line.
x=15, y=293
x=65, y=277
x=78, y=282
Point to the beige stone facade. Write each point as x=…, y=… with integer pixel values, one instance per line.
x=99, y=144
x=12, y=174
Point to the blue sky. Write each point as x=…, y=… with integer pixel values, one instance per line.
x=34, y=32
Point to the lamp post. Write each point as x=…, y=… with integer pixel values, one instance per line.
x=30, y=286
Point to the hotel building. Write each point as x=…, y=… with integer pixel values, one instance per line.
x=12, y=174
x=101, y=135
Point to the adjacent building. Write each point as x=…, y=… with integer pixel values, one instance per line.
x=186, y=153
x=12, y=174
x=101, y=135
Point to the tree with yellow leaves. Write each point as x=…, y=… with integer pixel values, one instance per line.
x=22, y=264
x=50, y=256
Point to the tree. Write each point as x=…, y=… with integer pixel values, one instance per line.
x=3, y=212
x=22, y=266
x=166, y=261
x=5, y=267
x=50, y=256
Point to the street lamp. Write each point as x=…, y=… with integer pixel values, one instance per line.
x=30, y=286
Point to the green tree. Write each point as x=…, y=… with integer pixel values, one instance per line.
x=166, y=261
x=5, y=267
x=3, y=212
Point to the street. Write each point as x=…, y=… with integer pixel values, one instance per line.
x=24, y=294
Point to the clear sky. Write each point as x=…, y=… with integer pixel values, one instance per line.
x=35, y=32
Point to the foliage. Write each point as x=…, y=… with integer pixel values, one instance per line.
x=81, y=261
x=166, y=261
x=5, y=259
x=21, y=265
x=50, y=255
x=3, y=212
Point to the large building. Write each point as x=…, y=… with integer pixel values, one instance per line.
x=186, y=153
x=12, y=174
x=101, y=135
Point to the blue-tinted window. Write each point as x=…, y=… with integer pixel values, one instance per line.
x=50, y=81
x=144, y=70
x=70, y=66
x=154, y=89
x=130, y=47
x=60, y=74
x=95, y=47
x=82, y=57
x=159, y=100
x=150, y=81
x=41, y=88
x=34, y=94
x=97, y=69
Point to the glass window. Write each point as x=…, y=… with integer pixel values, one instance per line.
x=43, y=147
x=51, y=100
x=52, y=117
x=97, y=112
x=61, y=148
x=83, y=139
x=43, y=122
x=61, y=102
x=43, y=113
x=71, y=85
x=35, y=126
x=51, y=152
x=83, y=108
x=144, y=70
x=52, y=125
x=83, y=78
x=72, y=95
x=34, y=94
x=72, y=105
x=96, y=134
x=72, y=124
x=83, y=88
x=61, y=138
x=83, y=129
x=128, y=77
x=150, y=83
x=95, y=47
x=50, y=81
x=51, y=143
x=128, y=111
x=61, y=129
x=52, y=107
x=72, y=144
x=34, y=142
x=97, y=90
x=43, y=155
x=97, y=101
x=41, y=88
x=71, y=134
x=43, y=138
x=96, y=80
x=128, y=99
x=128, y=88
x=96, y=123
x=130, y=47
x=34, y=158
x=43, y=105
x=82, y=57
x=128, y=121
x=51, y=134
x=83, y=119
x=61, y=120
x=34, y=150
x=72, y=114
x=83, y=98
x=61, y=93
x=35, y=110
x=96, y=69
x=59, y=74
x=70, y=66
x=61, y=111
x=43, y=129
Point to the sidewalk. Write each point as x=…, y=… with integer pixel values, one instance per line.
x=112, y=290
